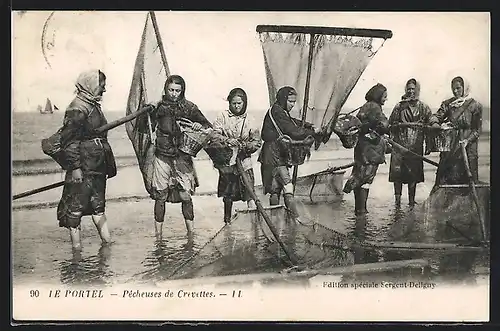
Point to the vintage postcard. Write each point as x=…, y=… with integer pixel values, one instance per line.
x=257, y=166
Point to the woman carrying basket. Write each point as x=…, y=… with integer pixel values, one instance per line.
x=369, y=151
x=274, y=157
x=408, y=120
x=174, y=176
x=238, y=141
x=464, y=115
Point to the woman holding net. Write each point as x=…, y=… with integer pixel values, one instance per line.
x=174, y=177
x=274, y=155
x=236, y=140
x=407, y=122
x=370, y=148
x=463, y=115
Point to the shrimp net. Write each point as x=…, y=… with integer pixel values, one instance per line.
x=248, y=245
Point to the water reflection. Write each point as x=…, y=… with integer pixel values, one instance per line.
x=248, y=245
x=92, y=270
x=165, y=256
x=360, y=234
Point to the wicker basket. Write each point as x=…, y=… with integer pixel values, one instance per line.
x=347, y=128
x=408, y=136
x=441, y=140
x=222, y=156
x=192, y=142
x=296, y=151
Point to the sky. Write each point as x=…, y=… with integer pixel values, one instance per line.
x=216, y=51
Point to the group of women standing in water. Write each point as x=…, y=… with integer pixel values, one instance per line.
x=412, y=118
x=174, y=177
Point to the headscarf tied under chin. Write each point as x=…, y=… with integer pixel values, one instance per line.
x=406, y=97
x=283, y=94
x=238, y=92
x=87, y=85
x=176, y=79
x=466, y=96
x=375, y=93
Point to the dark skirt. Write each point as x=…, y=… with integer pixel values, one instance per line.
x=405, y=169
x=81, y=199
x=361, y=174
x=274, y=178
x=231, y=184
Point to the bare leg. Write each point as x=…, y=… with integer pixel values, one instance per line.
x=101, y=224
x=159, y=217
x=75, y=235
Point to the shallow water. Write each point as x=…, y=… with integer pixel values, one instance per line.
x=42, y=252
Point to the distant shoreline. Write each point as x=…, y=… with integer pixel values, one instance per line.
x=48, y=166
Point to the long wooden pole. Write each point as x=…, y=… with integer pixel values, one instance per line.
x=423, y=158
x=38, y=190
x=101, y=129
x=160, y=42
x=367, y=268
x=261, y=210
x=474, y=192
x=306, y=99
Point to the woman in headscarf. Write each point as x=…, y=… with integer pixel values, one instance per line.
x=407, y=122
x=369, y=151
x=174, y=176
x=90, y=160
x=242, y=141
x=273, y=157
x=464, y=114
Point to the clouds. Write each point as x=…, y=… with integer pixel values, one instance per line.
x=218, y=51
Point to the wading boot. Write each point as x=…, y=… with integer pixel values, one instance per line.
x=360, y=197
x=228, y=209
x=398, y=188
x=397, y=201
x=412, y=188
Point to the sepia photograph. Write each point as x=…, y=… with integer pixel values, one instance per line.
x=250, y=166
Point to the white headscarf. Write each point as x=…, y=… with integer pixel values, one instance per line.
x=87, y=85
x=466, y=95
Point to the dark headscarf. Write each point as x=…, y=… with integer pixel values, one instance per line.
x=176, y=79
x=375, y=93
x=282, y=95
x=417, y=90
x=238, y=92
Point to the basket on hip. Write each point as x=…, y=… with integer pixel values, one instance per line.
x=347, y=129
x=192, y=142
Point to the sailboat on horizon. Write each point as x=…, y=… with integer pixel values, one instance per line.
x=49, y=109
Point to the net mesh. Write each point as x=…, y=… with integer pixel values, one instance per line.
x=336, y=65
x=247, y=245
x=450, y=213
x=321, y=187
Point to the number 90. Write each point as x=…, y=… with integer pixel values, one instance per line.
x=34, y=293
